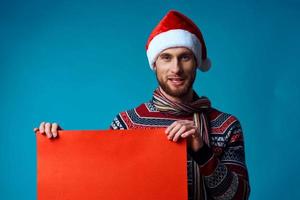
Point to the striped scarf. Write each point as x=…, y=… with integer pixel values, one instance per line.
x=196, y=108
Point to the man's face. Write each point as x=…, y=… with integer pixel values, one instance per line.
x=176, y=71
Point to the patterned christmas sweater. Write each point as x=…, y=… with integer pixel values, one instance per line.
x=221, y=167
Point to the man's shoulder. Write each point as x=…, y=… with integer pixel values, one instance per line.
x=146, y=107
x=142, y=115
x=221, y=121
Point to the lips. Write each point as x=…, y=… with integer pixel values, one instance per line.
x=176, y=81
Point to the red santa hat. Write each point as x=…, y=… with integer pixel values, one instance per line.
x=177, y=30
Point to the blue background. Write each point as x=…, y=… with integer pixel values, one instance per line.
x=81, y=62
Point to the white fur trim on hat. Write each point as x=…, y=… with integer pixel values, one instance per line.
x=176, y=38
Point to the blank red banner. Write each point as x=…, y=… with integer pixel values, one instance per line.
x=111, y=165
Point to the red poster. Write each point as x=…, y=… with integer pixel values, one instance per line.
x=111, y=165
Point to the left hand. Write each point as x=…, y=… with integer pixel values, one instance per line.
x=185, y=129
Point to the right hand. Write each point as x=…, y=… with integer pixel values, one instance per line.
x=50, y=129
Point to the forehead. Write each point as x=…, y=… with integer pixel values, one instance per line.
x=176, y=50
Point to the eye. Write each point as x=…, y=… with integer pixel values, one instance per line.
x=165, y=57
x=186, y=57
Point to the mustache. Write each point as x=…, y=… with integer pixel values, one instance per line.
x=176, y=77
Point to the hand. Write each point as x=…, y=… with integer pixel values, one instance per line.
x=185, y=129
x=50, y=129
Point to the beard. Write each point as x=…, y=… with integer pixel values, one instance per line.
x=179, y=92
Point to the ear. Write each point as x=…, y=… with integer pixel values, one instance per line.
x=195, y=60
x=154, y=67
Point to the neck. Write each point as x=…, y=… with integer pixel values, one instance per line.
x=183, y=99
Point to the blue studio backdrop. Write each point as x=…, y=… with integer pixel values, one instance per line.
x=79, y=63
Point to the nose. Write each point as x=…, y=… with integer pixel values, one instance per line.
x=176, y=66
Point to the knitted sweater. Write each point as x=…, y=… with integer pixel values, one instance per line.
x=222, y=168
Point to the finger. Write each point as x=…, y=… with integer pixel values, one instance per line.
x=169, y=128
x=179, y=133
x=188, y=133
x=173, y=131
x=42, y=127
x=182, y=122
x=48, y=130
x=54, y=129
x=187, y=122
x=35, y=130
x=197, y=132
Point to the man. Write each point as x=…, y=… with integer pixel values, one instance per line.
x=216, y=158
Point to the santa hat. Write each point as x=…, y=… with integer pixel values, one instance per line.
x=177, y=30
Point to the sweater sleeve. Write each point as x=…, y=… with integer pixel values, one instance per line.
x=117, y=123
x=225, y=177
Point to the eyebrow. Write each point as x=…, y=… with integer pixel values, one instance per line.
x=187, y=53
x=183, y=53
x=165, y=54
